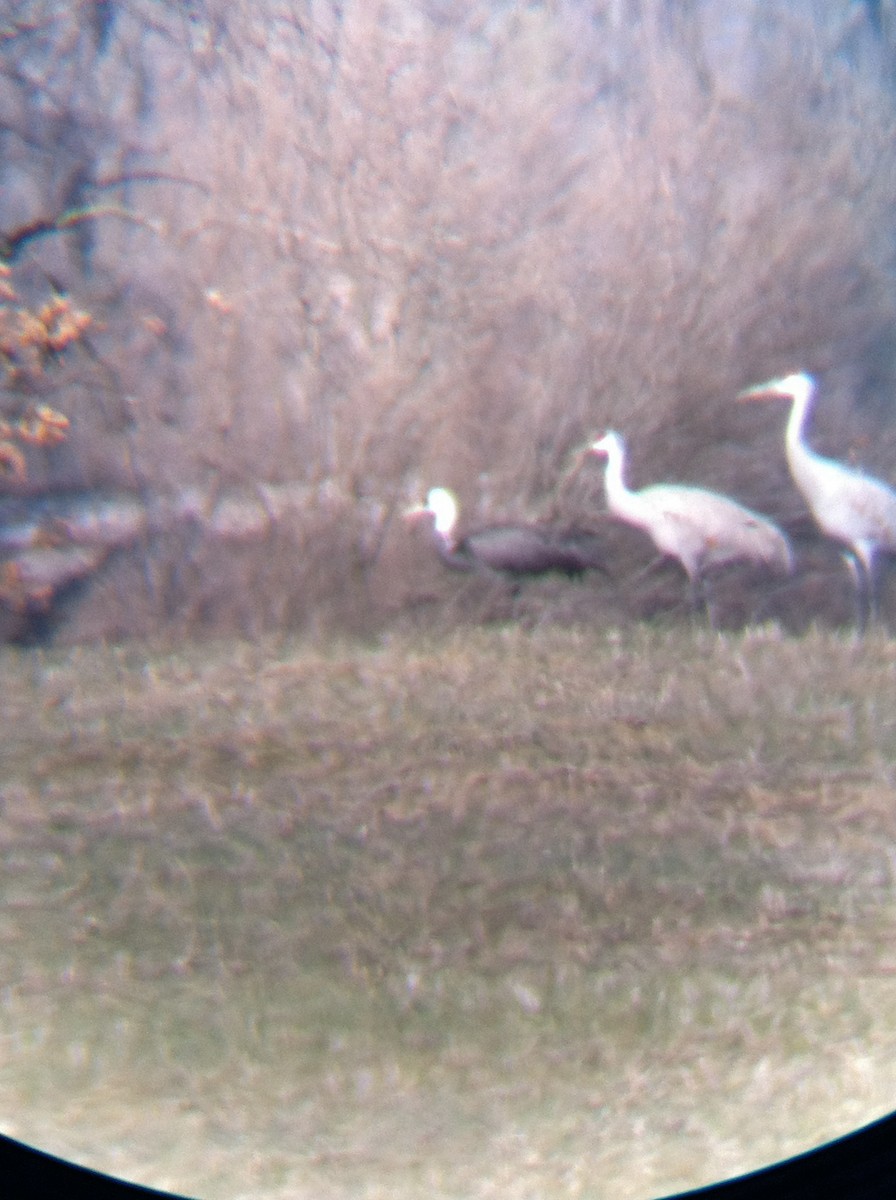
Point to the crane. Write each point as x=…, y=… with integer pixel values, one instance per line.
x=700, y=529
x=850, y=507
x=513, y=550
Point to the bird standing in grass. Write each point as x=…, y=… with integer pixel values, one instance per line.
x=852, y=508
x=700, y=529
x=513, y=550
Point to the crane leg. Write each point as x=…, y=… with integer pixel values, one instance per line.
x=864, y=581
x=872, y=582
x=700, y=599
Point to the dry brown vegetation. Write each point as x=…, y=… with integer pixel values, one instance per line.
x=519, y=912
x=554, y=914
x=371, y=246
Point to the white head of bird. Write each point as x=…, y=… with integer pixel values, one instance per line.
x=798, y=387
x=610, y=447
x=442, y=506
x=604, y=446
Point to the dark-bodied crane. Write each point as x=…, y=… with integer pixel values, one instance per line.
x=700, y=529
x=854, y=509
x=513, y=550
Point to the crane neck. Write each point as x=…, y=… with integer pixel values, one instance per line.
x=795, y=435
x=620, y=499
x=452, y=555
x=614, y=480
x=443, y=540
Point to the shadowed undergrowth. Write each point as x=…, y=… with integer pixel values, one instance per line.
x=559, y=912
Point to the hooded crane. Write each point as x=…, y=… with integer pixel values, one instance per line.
x=849, y=506
x=700, y=529
x=513, y=550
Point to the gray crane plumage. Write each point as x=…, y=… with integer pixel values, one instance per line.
x=853, y=509
x=698, y=528
x=515, y=550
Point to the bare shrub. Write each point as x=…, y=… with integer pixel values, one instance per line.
x=376, y=246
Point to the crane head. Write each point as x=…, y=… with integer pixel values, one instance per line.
x=604, y=447
x=799, y=386
x=440, y=504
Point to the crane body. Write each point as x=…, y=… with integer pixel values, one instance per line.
x=853, y=509
x=700, y=529
x=517, y=551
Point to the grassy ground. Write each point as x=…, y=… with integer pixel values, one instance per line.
x=511, y=913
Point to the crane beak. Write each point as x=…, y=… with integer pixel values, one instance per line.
x=576, y=461
x=416, y=510
x=761, y=391
x=594, y=449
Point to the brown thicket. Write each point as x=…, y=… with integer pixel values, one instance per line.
x=372, y=246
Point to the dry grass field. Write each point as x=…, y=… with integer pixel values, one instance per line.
x=503, y=913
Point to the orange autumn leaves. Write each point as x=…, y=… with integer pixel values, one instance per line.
x=31, y=339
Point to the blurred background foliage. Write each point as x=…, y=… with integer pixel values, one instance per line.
x=333, y=253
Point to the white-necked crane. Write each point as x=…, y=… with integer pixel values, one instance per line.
x=852, y=508
x=517, y=550
x=700, y=529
